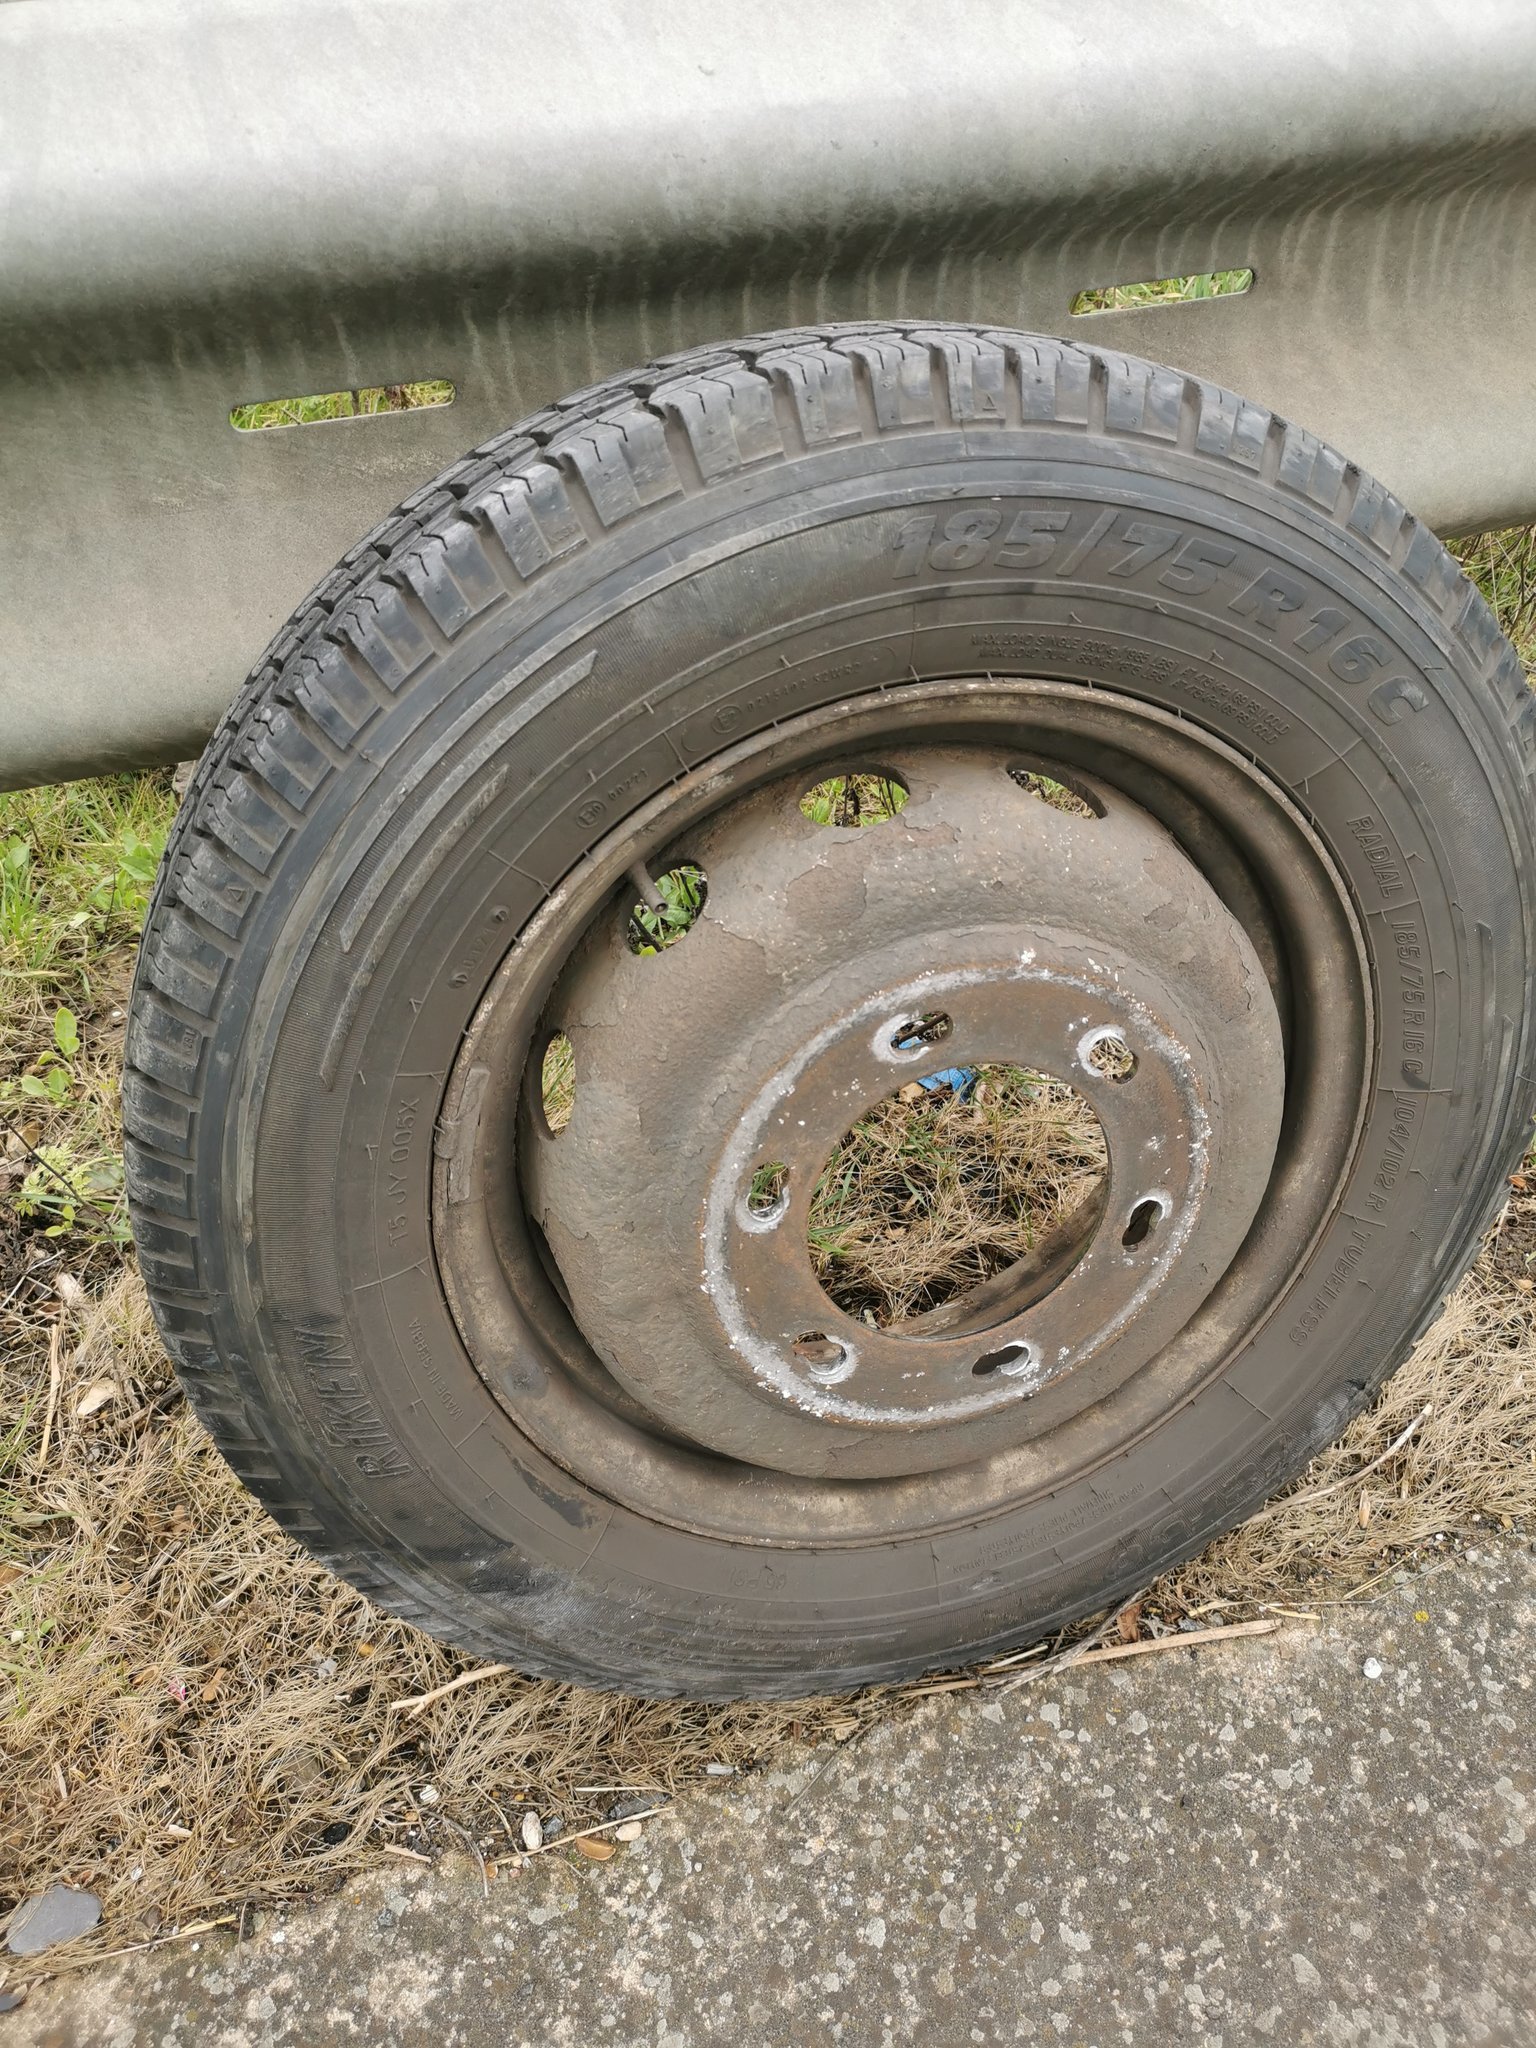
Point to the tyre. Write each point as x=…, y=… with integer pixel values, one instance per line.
x=571, y=1392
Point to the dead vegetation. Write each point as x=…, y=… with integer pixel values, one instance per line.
x=938, y=1188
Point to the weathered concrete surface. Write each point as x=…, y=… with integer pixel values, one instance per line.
x=1250, y=1843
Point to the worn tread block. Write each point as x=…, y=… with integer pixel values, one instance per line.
x=241, y=814
x=286, y=758
x=624, y=463
x=1140, y=400
x=1376, y=515
x=1311, y=467
x=163, y=1045
x=452, y=575
x=1230, y=428
x=156, y=1183
x=381, y=627
x=212, y=886
x=532, y=516
x=975, y=373
x=1430, y=569
x=900, y=377
x=331, y=692
x=821, y=389
x=728, y=417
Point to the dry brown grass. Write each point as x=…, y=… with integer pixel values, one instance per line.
x=933, y=1192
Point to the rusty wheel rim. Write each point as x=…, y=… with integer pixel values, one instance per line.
x=671, y=1381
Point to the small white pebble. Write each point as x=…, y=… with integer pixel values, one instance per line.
x=278, y=1935
x=533, y=1832
x=1371, y=1668
x=719, y=1770
x=628, y=1831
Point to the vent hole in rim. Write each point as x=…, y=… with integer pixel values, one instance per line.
x=824, y=1358
x=668, y=909
x=1068, y=797
x=850, y=801
x=557, y=1083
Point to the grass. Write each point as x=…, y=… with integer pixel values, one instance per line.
x=361, y=403
x=1163, y=291
x=195, y=1714
x=936, y=1190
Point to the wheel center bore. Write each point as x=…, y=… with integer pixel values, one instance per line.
x=830, y=965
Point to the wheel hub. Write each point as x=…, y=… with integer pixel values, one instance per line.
x=831, y=965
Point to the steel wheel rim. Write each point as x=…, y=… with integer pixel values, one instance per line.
x=1276, y=878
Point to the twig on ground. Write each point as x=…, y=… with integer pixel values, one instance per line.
x=1190, y=1639
x=441, y=1692
x=410, y=1855
x=583, y=1834
x=134, y=1948
x=474, y=1849
x=1179, y=1640
x=55, y=1375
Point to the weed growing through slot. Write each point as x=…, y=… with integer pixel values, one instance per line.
x=848, y=800
x=359, y=403
x=654, y=927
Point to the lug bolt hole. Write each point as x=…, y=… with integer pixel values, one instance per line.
x=1143, y=1220
x=825, y=1360
x=768, y=1195
x=1008, y=1359
x=913, y=1034
x=1105, y=1052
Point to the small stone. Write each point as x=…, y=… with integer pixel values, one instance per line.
x=1371, y=1668
x=533, y=1832
x=58, y=1914
x=719, y=1770
x=628, y=1831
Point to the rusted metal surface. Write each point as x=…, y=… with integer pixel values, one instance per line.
x=794, y=1004
x=1240, y=836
